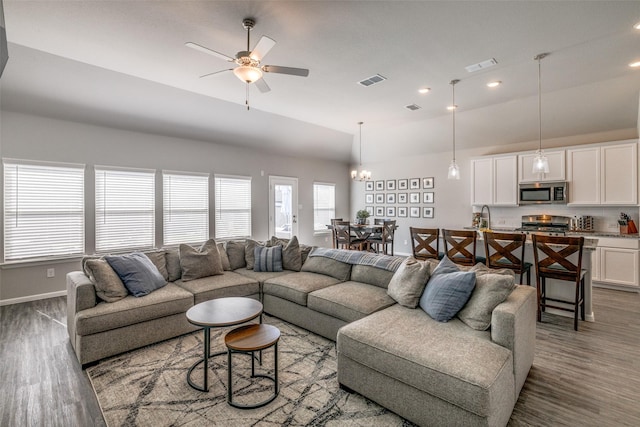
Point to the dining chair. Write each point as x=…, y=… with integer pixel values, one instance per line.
x=506, y=250
x=460, y=246
x=551, y=258
x=422, y=240
x=333, y=232
x=346, y=239
x=386, y=237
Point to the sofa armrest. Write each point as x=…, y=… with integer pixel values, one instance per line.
x=513, y=325
x=81, y=295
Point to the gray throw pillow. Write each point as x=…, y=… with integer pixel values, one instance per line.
x=235, y=252
x=481, y=269
x=203, y=262
x=249, y=251
x=327, y=266
x=447, y=291
x=158, y=259
x=224, y=258
x=268, y=258
x=174, y=272
x=408, y=282
x=137, y=272
x=108, y=285
x=291, y=257
x=490, y=291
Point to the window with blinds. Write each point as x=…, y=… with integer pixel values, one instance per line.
x=43, y=210
x=186, y=208
x=324, y=205
x=125, y=209
x=233, y=207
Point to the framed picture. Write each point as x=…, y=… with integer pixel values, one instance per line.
x=427, y=212
x=402, y=197
x=427, y=182
x=379, y=185
x=379, y=198
x=380, y=211
x=414, y=184
x=414, y=197
x=391, y=211
x=391, y=198
x=391, y=184
x=369, y=209
x=427, y=197
x=403, y=184
x=402, y=211
x=368, y=186
x=368, y=198
x=414, y=212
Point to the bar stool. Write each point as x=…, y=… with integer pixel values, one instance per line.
x=422, y=240
x=501, y=252
x=248, y=339
x=556, y=265
x=460, y=246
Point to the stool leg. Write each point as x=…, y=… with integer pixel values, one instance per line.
x=229, y=378
x=582, y=292
x=253, y=363
x=275, y=363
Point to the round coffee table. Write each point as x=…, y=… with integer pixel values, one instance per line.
x=218, y=313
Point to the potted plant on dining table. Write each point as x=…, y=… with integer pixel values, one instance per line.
x=361, y=217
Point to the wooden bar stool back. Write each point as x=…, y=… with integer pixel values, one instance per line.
x=506, y=250
x=423, y=240
x=551, y=255
x=460, y=246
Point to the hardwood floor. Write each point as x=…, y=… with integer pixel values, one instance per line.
x=587, y=378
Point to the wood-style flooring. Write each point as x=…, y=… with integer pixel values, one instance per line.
x=585, y=378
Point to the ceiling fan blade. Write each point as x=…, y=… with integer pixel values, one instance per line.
x=216, y=72
x=302, y=72
x=262, y=48
x=209, y=51
x=262, y=86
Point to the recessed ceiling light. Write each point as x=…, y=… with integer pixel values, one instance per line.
x=494, y=83
x=424, y=90
x=637, y=26
x=452, y=107
x=635, y=64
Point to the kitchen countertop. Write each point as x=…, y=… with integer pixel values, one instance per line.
x=571, y=233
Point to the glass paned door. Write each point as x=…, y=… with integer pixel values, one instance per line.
x=283, y=207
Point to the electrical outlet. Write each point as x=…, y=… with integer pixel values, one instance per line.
x=612, y=225
x=51, y=272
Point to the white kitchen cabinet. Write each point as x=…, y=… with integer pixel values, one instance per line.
x=616, y=262
x=603, y=175
x=556, y=167
x=494, y=181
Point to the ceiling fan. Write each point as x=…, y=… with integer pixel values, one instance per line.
x=248, y=67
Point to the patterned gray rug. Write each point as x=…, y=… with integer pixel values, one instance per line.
x=148, y=387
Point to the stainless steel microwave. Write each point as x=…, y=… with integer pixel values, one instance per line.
x=543, y=193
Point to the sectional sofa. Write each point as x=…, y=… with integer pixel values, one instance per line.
x=429, y=372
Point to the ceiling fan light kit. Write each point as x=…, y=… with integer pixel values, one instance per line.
x=540, y=162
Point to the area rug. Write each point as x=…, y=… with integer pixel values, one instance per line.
x=148, y=386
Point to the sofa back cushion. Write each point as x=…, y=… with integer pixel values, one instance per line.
x=408, y=282
x=172, y=257
x=328, y=267
x=235, y=252
x=291, y=256
x=159, y=259
x=108, y=285
x=371, y=275
x=137, y=272
x=224, y=258
x=203, y=262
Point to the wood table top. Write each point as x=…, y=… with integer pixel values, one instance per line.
x=252, y=337
x=224, y=311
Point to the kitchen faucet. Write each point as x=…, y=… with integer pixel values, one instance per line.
x=488, y=216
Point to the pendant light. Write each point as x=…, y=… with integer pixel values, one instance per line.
x=540, y=162
x=360, y=174
x=454, y=170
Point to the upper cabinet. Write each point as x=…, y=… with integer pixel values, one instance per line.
x=556, y=167
x=494, y=181
x=603, y=175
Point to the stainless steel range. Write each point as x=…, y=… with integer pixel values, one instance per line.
x=551, y=225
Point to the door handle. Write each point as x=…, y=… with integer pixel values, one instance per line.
x=294, y=220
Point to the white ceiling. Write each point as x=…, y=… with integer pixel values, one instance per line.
x=124, y=64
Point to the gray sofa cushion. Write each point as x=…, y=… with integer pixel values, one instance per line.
x=249, y=251
x=328, y=267
x=203, y=262
x=174, y=272
x=490, y=290
x=168, y=300
x=261, y=276
x=235, y=252
x=229, y=284
x=408, y=282
x=296, y=286
x=349, y=301
x=291, y=257
x=224, y=258
x=371, y=275
x=159, y=259
x=108, y=285
x=448, y=360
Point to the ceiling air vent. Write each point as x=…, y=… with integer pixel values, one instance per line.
x=481, y=65
x=413, y=107
x=372, y=80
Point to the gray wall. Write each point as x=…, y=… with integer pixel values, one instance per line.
x=37, y=138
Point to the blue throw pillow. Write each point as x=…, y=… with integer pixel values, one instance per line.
x=447, y=291
x=137, y=272
x=268, y=258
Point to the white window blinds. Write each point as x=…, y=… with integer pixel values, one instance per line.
x=125, y=209
x=233, y=207
x=43, y=210
x=324, y=205
x=186, y=208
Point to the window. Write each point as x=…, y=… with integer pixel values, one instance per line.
x=125, y=209
x=324, y=205
x=186, y=208
x=43, y=210
x=233, y=207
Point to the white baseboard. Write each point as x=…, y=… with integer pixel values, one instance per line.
x=32, y=298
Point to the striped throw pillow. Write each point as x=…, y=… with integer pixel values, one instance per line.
x=268, y=258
